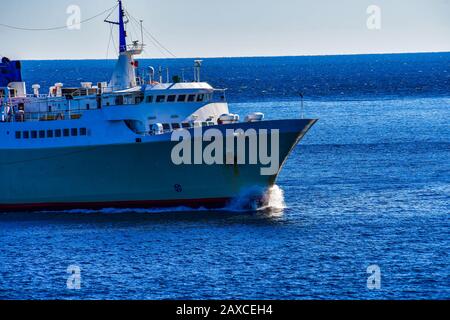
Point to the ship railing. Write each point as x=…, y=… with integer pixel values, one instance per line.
x=48, y=116
x=41, y=96
x=219, y=95
x=135, y=48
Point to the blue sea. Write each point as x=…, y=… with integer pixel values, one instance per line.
x=370, y=185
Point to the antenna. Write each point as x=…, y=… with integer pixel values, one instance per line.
x=303, y=105
x=142, y=31
x=197, y=69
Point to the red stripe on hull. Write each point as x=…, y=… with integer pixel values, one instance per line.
x=151, y=204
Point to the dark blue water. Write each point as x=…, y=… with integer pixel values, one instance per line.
x=281, y=78
x=370, y=185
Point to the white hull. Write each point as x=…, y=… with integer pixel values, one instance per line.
x=130, y=175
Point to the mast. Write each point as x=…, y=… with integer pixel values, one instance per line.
x=122, y=32
x=124, y=75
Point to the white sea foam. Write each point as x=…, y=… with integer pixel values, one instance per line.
x=256, y=199
x=273, y=199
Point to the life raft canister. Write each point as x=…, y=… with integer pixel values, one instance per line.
x=228, y=118
x=255, y=117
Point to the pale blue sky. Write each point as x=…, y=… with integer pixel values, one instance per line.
x=218, y=28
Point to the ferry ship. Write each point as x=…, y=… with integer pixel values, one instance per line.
x=109, y=144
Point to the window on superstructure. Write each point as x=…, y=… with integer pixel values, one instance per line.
x=88, y=106
x=186, y=125
x=66, y=133
x=200, y=98
x=18, y=135
x=182, y=98
x=58, y=133
x=160, y=99
x=83, y=132
x=74, y=132
x=149, y=99
x=171, y=98
x=33, y=134
x=49, y=133
x=176, y=126
x=119, y=100
x=166, y=126
x=42, y=134
x=191, y=98
x=26, y=135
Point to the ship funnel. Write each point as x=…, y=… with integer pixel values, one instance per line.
x=10, y=71
x=124, y=76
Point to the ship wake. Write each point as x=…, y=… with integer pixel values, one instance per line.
x=251, y=200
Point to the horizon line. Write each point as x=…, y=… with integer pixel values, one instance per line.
x=237, y=57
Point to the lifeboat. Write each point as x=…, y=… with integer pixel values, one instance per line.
x=157, y=128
